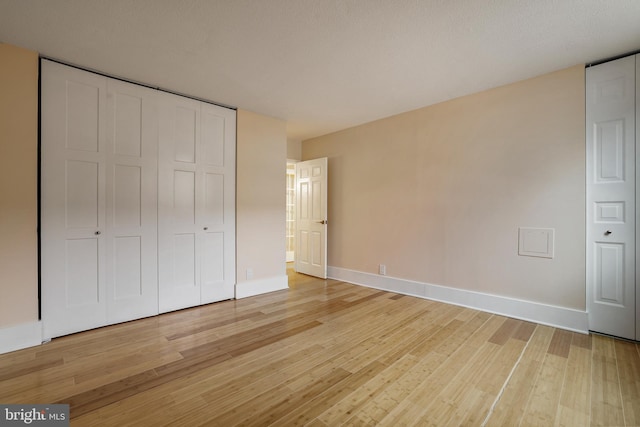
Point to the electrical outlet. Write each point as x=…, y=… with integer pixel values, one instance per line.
x=249, y=273
x=382, y=270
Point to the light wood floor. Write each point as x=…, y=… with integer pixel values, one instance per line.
x=327, y=353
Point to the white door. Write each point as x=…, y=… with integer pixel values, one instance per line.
x=99, y=207
x=216, y=169
x=131, y=191
x=196, y=233
x=611, y=216
x=311, y=217
x=73, y=178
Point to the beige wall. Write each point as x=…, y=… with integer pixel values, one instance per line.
x=261, y=165
x=437, y=194
x=18, y=185
x=294, y=149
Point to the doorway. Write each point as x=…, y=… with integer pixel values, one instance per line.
x=291, y=212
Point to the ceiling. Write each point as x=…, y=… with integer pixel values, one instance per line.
x=324, y=65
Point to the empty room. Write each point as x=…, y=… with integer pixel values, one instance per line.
x=320, y=213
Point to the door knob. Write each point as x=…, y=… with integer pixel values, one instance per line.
x=606, y=233
x=206, y=228
x=322, y=222
x=97, y=233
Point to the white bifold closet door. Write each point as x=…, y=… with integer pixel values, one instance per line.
x=138, y=201
x=99, y=200
x=196, y=230
x=613, y=192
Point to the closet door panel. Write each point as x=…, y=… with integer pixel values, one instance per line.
x=197, y=203
x=127, y=196
x=213, y=199
x=73, y=179
x=127, y=268
x=132, y=135
x=184, y=261
x=82, y=194
x=611, y=176
x=213, y=135
x=213, y=251
x=83, y=99
x=128, y=124
x=217, y=166
x=82, y=281
x=178, y=232
x=184, y=198
x=186, y=118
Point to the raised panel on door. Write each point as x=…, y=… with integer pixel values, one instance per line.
x=213, y=127
x=127, y=115
x=184, y=136
x=303, y=247
x=127, y=196
x=132, y=139
x=213, y=268
x=213, y=214
x=184, y=261
x=609, y=277
x=609, y=151
x=304, y=200
x=82, y=281
x=73, y=177
x=317, y=254
x=127, y=268
x=82, y=113
x=611, y=176
x=82, y=194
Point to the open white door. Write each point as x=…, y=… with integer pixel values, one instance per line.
x=611, y=176
x=311, y=217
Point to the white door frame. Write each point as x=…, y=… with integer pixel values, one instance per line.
x=291, y=204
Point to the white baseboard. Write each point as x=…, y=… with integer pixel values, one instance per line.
x=261, y=286
x=559, y=317
x=20, y=336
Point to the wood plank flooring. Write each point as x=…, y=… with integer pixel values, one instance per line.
x=327, y=353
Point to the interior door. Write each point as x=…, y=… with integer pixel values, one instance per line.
x=132, y=171
x=216, y=213
x=196, y=210
x=611, y=204
x=178, y=232
x=73, y=178
x=311, y=217
x=99, y=200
